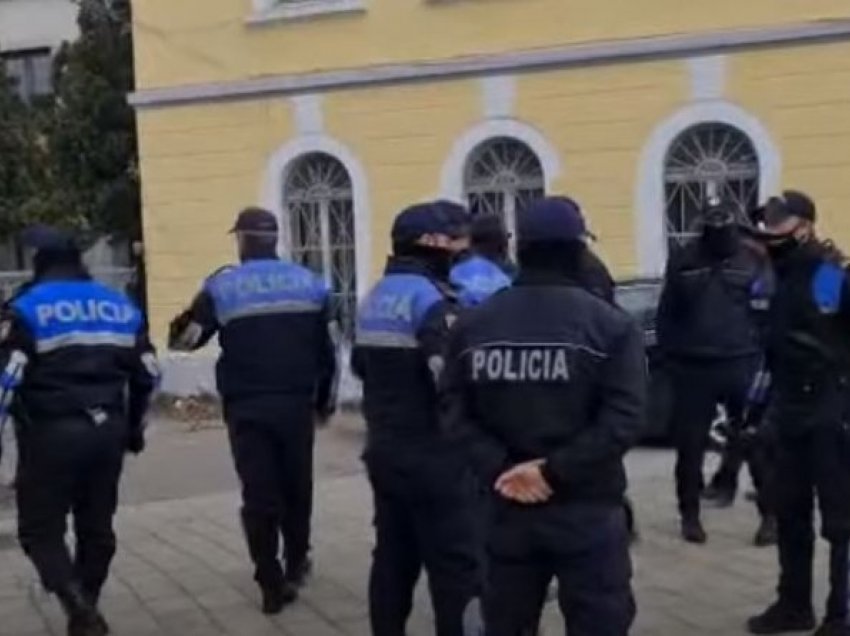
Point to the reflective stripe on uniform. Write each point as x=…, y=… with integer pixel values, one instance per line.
x=386, y=339
x=86, y=339
x=271, y=309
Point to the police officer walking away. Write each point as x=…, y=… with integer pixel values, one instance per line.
x=809, y=354
x=78, y=372
x=276, y=376
x=486, y=268
x=548, y=402
x=423, y=492
x=708, y=330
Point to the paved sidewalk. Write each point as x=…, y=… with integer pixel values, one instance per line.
x=182, y=569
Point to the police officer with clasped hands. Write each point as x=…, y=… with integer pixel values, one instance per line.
x=547, y=403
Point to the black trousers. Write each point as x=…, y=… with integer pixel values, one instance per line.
x=69, y=466
x=699, y=386
x=759, y=453
x=584, y=546
x=816, y=463
x=425, y=517
x=273, y=453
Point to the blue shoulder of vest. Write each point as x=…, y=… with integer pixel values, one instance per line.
x=828, y=287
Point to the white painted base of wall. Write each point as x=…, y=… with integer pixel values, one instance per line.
x=185, y=375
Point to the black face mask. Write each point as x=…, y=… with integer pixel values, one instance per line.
x=438, y=261
x=781, y=248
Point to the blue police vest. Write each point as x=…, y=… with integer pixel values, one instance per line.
x=827, y=287
x=478, y=278
x=78, y=313
x=265, y=287
x=393, y=312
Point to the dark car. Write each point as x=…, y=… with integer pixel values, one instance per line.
x=640, y=298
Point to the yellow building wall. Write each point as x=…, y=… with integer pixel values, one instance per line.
x=802, y=95
x=196, y=41
x=202, y=163
x=598, y=119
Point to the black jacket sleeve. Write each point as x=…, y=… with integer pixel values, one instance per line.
x=193, y=328
x=328, y=381
x=667, y=306
x=488, y=455
x=616, y=425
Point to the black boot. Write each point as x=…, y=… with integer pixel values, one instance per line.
x=278, y=597
x=297, y=573
x=83, y=618
x=833, y=628
x=767, y=534
x=692, y=530
x=779, y=619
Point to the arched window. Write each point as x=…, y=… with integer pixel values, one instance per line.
x=710, y=160
x=502, y=176
x=318, y=203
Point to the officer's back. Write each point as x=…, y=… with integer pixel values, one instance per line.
x=272, y=318
x=84, y=342
x=485, y=269
x=400, y=332
x=545, y=384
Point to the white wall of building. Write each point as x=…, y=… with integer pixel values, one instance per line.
x=33, y=24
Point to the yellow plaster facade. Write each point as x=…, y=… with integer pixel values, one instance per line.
x=401, y=92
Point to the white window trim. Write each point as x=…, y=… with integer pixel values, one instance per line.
x=452, y=176
x=650, y=219
x=269, y=11
x=271, y=194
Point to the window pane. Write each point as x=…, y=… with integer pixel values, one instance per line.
x=503, y=175
x=318, y=200
x=707, y=161
x=30, y=71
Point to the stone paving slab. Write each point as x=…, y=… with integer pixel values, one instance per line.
x=182, y=570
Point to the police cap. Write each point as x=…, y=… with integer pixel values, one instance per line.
x=427, y=218
x=552, y=219
x=255, y=221
x=43, y=237
x=792, y=204
x=488, y=227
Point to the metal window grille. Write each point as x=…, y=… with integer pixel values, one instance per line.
x=707, y=161
x=503, y=176
x=319, y=205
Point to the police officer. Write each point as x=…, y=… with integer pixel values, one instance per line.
x=750, y=439
x=486, y=268
x=276, y=376
x=547, y=403
x=809, y=354
x=77, y=372
x=423, y=491
x=708, y=331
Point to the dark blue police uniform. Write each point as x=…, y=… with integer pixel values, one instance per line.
x=77, y=373
x=809, y=354
x=564, y=384
x=477, y=278
x=708, y=329
x=276, y=372
x=423, y=491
